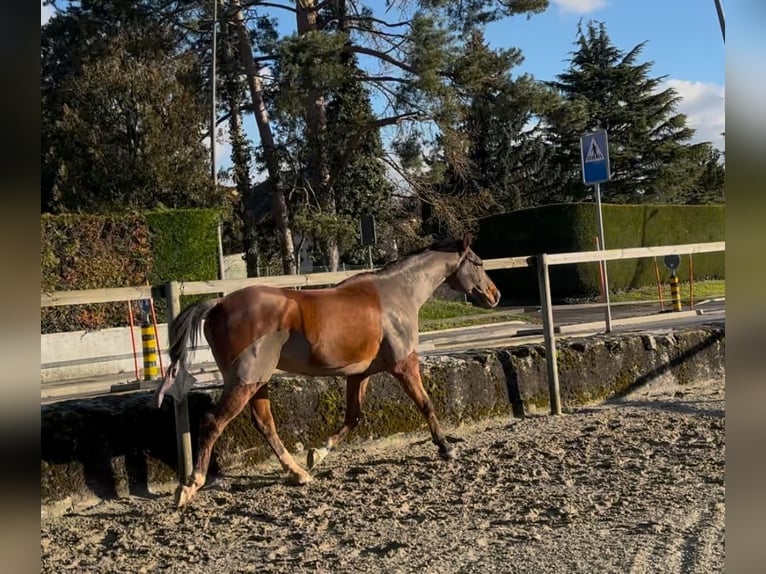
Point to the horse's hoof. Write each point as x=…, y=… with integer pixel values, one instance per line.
x=300, y=478
x=183, y=495
x=315, y=456
x=447, y=453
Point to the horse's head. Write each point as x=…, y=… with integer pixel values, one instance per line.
x=469, y=277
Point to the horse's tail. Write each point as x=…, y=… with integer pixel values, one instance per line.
x=183, y=334
x=184, y=330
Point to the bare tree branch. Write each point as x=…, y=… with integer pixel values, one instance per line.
x=259, y=3
x=383, y=79
x=379, y=21
x=378, y=33
x=394, y=120
x=382, y=56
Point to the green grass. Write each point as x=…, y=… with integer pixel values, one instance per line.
x=438, y=315
x=437, y=309
x=702, y=290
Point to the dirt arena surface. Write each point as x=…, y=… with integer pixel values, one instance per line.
x=635, y=485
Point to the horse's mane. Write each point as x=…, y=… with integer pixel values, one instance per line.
x=448, y=245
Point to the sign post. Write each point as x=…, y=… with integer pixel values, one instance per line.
x=594, y=153
x=672, y=262
x=367, y=231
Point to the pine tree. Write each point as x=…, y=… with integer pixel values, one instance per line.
x=406, y=64
x=606, y=88
x=708, y=176
x=499, y=123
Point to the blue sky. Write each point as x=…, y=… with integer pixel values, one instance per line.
x=683, y=37
x=683, y=41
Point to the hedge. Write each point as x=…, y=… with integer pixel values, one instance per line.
x=119, y=250
x=563, y=228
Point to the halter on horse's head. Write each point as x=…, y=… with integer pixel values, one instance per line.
x=469, y=277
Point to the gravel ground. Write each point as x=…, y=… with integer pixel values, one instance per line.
x=634, y=485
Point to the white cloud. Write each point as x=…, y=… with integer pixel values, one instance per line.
x=45, y=13
x=580, y=6
x=703, y=104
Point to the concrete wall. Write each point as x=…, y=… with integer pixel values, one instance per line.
x=116, y=445
x=88, y=354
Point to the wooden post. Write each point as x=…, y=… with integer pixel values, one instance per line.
x=181, y=408
x=546, y=308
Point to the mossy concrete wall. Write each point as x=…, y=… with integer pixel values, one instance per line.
x=117, y=445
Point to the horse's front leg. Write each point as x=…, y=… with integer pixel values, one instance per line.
x=356, y=387
x=407, y=372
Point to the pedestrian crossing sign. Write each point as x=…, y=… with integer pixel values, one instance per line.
x=594, y=153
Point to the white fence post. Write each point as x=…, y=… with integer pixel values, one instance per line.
x=546, y=309
x=181, y=407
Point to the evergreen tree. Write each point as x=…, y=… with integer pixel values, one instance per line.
x=499, y=124
x=121, y=112
x=606, y=88
x=358, y=176
x=708, y=176
x=406, y=64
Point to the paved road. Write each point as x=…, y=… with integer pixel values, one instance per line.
x=569, y=320
x=569, y=314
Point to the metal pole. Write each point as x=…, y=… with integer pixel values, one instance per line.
x=546, y=308
x=721, y=19
x=602, y=262
x=173, y=297
x=221, y=262
x=214, y=173
x=369, y=254
x=212, y=95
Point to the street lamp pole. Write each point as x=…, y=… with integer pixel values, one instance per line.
x=212, y=96
x=721, y=19
x=214, y=173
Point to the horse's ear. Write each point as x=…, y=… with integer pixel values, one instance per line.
x=467, y=238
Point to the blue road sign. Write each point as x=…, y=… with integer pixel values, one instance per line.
x=594, y=153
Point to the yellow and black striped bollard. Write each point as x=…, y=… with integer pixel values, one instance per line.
x=675, y=292
x=149, y=347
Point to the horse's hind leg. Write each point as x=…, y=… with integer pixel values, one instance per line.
x=246, y=374
x=231, y=403
x=407, y=373
x=356, y=387
x=260, y=409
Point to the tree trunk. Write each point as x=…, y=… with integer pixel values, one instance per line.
x=255, y=84
x=316, y=122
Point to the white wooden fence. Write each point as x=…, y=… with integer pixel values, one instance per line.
x=175, y=289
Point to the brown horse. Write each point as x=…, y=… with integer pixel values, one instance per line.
x=362, y=326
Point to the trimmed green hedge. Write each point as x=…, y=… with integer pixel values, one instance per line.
x=566, y=228
x=184, y=245
x=80, y=251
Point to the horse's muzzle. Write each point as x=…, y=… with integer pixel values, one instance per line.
x=487, y=298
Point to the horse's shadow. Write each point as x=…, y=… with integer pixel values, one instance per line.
x=246, y=482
